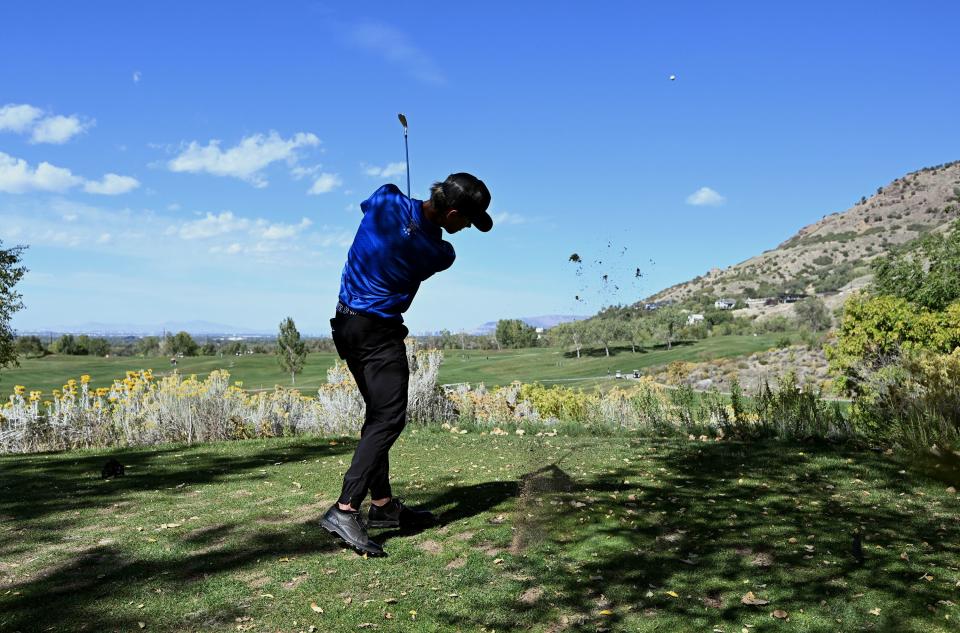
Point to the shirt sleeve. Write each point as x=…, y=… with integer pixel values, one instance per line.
x=378, y=197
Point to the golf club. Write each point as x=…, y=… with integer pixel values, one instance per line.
x=406, y=147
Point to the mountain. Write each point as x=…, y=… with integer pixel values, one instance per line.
x=195, y=328
x=546, y=322
x=833, y=255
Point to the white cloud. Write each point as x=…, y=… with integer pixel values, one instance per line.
x=59, y=129
x=104, y=238
x=325, y=183
x=175, y=206
x=508, y=218
x=284, y=231
x=18, y=118
x=299, y=172
x=16, y=176
x=213, y=225
x=243, y=161
x=393, y=169
x=705, y=196
x=111, y=185
x=396, y=48
x=136, y=76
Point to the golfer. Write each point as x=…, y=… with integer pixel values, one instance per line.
x=398, y=245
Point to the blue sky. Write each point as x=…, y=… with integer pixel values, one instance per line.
x=187, y=160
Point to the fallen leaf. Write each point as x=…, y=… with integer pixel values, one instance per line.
x=606, y=612
x=780, y=614
x=316, y=607
x=875, y=611
x=390, y=600
x=142, y=625
x=752, y=600
x=266, y=595
x=673, y=594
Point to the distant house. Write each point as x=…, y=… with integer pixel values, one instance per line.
x=791, y=297
x=756, y=303
x=656, y=305
x=693, y=319
x=724, y=304
x=539, y=332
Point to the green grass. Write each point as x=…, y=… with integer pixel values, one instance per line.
x=261, y=371
x=604, y=533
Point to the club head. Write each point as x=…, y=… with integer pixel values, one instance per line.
x=403, y=120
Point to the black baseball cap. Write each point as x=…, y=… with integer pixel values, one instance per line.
x=467, y=194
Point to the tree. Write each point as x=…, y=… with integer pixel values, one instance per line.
x=183, y=343
x=927, y=275
x=10, y=273
x=66, y=344
x=148, y=346
x=667, y=321
x=570, y=334
x=30, y=346
x=812, y=313
x=638, y=330
x=515, y=333
x=208, y=349
x=291, y=350
x=606, y=331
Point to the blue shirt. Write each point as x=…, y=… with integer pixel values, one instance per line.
x=396, y=248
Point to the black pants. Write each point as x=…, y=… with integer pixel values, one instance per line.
x=377, y=358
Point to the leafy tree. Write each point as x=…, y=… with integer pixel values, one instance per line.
x=30, y=346
x=813, y=314
x=291, y=350
x=235, y=347
x=515, y=333
x=875, y=331
x=606, y=331
x=183, y=343
x=638, y=331
x=927, y=274
x=208, y=349
x=148, y=346
x=667, y=321
x=66, y=344
x=92, y=346
x=571, y=334
x=10, y=273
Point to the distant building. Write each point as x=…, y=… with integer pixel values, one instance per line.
x=756, y=303
x=693, y=319
x=724, y=304
x=791, y=297
x=656, y=305
x=539, y=332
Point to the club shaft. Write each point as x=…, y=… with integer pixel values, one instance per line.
x=406, y=147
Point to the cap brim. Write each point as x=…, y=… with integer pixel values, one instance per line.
x=482, y=221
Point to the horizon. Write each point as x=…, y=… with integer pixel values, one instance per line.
x=178, y=163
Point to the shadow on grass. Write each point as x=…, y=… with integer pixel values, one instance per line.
x=35, y=487
x=694, y=519
x=716, y=523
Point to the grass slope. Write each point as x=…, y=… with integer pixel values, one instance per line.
x=547, y=365
x=535, y=534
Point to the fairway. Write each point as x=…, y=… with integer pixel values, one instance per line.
x=494, y=368
x=577, y=533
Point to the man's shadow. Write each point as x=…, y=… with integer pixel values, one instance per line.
x=463, y=502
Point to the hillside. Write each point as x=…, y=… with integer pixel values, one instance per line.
x=834, y=253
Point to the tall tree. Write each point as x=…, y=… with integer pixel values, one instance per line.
x=291, y=350
x=10, y=273
x=515, y=333
x=183, y=343
x=669, y=320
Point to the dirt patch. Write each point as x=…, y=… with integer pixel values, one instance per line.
x=457, y=563
x=464, y=536
x=531, y=595
x=431, y=546
x=258, y=581
x=762, y=559
x=489, y=549
x=713, y=601
x=294, y=582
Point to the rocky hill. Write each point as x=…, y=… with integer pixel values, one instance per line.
x=834, y=254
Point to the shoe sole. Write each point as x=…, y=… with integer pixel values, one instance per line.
x=334, y=531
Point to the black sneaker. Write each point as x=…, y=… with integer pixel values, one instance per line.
x=396, y=514
x=347, y=526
